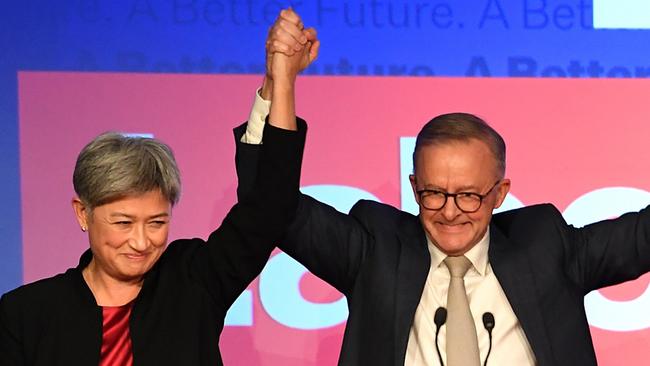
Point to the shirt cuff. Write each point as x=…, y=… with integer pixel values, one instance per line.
x=256, y=120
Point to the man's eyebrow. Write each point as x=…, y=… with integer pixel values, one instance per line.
x=466, y=188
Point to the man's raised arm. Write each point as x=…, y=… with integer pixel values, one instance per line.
x=289, y=49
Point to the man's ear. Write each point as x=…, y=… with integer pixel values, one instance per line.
x=81, y=212
x=502, y=192
x=414, y=188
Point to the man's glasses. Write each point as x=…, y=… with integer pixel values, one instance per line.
x=468, y=202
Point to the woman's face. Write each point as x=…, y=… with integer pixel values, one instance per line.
x=127, y=236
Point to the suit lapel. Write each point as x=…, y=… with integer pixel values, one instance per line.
x=512, y=268
x=412, y=270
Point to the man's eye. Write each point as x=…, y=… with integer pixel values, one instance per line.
x=122, y=223
x=468, y=196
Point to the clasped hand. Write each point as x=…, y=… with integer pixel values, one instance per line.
x=290, y=48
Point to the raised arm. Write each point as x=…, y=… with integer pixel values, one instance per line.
x=285, y=62
x=238, y=250
x=330, y=244
x=609, y=252
x=241, y=246
x=287, y=38
x=295, y=48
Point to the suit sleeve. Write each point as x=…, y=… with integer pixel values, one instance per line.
x=609, y=252
x=246, y=161
x=239, y=248
x=330, y=244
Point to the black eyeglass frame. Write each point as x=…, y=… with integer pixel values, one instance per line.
x=480, y=197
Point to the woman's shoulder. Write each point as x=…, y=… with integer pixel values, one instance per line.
x=44, y=291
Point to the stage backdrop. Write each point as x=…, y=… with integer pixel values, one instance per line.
x=580, y=144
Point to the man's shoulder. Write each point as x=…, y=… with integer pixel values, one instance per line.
x=384, y=213
x=540, y=214
x=532, y=210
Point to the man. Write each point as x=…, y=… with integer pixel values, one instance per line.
x=526, y=267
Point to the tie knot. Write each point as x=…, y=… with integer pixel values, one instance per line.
x=458, y=266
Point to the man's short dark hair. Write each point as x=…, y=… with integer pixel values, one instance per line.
x=462, y=127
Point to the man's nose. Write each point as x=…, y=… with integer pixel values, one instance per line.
x=450, y=209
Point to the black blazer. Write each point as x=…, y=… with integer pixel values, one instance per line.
x=377, y=257
x=178, y=315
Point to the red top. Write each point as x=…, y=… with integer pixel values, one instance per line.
x=116, y=339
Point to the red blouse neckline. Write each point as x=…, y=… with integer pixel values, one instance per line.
x=116, y=338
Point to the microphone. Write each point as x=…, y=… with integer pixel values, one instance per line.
x=488, y=323
x=439, y=319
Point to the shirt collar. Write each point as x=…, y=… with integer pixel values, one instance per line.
x=478, y=255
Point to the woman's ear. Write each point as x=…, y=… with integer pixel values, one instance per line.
x=81, y=213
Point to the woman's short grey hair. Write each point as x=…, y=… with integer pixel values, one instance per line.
x=114, y=166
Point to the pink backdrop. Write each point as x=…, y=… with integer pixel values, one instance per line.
x=565, y=138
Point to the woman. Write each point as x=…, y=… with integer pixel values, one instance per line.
x=131, y=300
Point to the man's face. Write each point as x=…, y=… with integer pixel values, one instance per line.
x=453, y=167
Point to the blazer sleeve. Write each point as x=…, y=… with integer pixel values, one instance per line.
x=608, y=252
x=246, y=161
x=238, y=250
x=332, y=245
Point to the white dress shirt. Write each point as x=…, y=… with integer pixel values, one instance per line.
x=509, y=343
x=256, y=120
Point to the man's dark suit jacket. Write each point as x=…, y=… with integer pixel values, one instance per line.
x=377, y=257
x=179, y=313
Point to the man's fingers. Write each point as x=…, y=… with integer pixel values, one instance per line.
x=292, y=30
x=279, y=34
x=313, y=51
x=310, y=34
x=288, y=37
x=275, y=46
x=292, y=17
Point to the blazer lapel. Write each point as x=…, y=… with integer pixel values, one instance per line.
x=512, y=268
x=412, y=270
